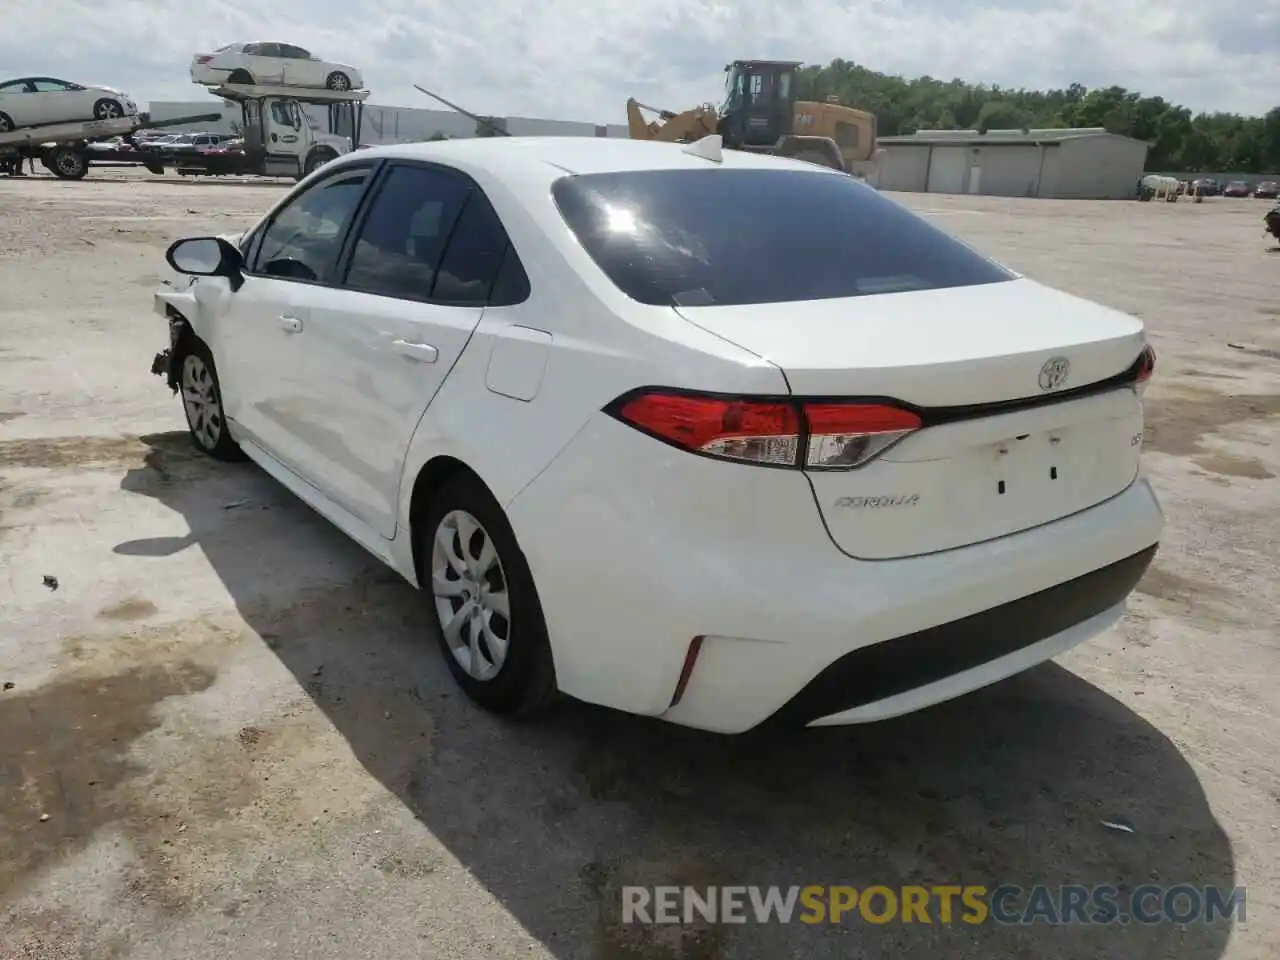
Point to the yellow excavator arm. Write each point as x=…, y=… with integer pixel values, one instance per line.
x=670, y=127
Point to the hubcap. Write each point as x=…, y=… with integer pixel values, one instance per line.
x=68, y=164
x=470, y=589
x=204, y=413
x=340, y=82
x=109, y=111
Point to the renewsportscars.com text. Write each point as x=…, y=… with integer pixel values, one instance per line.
x=943, y=904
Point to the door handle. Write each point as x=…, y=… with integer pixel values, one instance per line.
x=290, y=324
x=422, y=352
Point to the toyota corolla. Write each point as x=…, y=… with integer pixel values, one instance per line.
x=715, y=437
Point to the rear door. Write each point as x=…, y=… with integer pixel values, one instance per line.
x=298, y=68
x=263, y=60
x=416, y=279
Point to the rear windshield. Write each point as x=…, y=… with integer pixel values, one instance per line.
x=726, y=237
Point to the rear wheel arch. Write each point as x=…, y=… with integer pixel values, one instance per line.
x=432, y=478
x=525, y=683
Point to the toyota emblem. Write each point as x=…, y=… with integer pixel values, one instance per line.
x=1054, y=373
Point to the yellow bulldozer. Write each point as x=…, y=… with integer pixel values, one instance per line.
x=761, y=114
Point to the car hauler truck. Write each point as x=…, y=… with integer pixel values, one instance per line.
x=64, y=147
x=280, y=137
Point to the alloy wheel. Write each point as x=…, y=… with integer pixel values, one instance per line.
x=471, y=598
x=200, y=398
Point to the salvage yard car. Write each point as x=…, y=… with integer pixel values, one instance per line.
x=272, y=63
x=710, y=436
x=34, y=101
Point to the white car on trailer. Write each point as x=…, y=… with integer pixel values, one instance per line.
x=36, y=101
x=272, y=63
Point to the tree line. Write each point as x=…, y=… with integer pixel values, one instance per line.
x=1180, y=140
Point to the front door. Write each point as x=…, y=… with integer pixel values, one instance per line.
x=266, y=323
x=413, y=289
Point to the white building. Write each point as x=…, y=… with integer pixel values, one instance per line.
x=1083, y=163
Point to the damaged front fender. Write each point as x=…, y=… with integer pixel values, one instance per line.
x=175, y=304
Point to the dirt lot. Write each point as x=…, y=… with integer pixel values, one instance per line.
x=226, y=732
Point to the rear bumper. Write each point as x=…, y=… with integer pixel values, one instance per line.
x=892, y=677
x=637, y=548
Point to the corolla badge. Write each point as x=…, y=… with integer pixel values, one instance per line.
x=1054, y=373
x=875, y=503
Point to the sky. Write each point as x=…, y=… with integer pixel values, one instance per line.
x=581, y=59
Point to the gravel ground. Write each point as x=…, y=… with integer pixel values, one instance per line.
x=227, y=733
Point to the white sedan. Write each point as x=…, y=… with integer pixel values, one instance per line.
x=282, y=64
x=712, y=437
x=36, y=101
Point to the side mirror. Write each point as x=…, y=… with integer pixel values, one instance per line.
x=206, y=257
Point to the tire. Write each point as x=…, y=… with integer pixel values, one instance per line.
x=107, y=109
x=202, y=402
x=516, y=681
x=68, y=163
x=317, y=159
x=6, y=123
x=338, y=81
x=240, y=76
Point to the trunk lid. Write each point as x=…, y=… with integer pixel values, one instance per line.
x=977, y=474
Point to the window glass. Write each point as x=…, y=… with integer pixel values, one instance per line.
x=17, y=86
x=747, y=236
x=280, y=113
x=474, y=254
x=403, y=237
x=293, y=53
x=511, y=286
x=846, y=135
x=303, y=241
x=50, y=86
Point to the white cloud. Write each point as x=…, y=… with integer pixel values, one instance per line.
x=580, y=60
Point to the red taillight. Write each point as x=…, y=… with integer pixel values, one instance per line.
x=816, y=435
x=1146, y=364
x=204, y=58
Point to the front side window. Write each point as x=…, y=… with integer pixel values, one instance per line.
x=402, y=240
x=302, y=242
x=50, y=86
x=691, y=237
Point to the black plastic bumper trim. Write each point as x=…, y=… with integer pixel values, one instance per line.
x=904, y=663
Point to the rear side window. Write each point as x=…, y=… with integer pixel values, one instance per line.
x=748, y=236
x=474, y=255
x=402, y=240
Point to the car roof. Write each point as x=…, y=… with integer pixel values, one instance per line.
x=538, y=161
